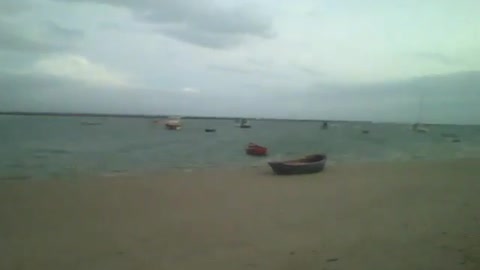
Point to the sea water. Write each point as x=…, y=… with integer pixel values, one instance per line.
x=43, y=147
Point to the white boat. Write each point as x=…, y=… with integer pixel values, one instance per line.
x=173, y=123
x=243, y=123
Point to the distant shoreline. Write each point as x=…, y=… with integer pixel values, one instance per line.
x=160, y=116
x=153, y=116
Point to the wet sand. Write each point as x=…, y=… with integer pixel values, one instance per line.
x=422, y=215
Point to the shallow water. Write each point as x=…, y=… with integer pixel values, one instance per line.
x=61, y=147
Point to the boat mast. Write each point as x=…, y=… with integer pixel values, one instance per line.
x=420, y=109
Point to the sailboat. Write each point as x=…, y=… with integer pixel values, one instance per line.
x=242, y=123
x=418, y=126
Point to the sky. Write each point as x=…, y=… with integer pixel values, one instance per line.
x=302, y=59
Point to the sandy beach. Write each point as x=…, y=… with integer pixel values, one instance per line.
x=412, y=215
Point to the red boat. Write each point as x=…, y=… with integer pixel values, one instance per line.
x=256, y=150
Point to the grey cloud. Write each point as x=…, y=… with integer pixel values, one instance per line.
x=27, y=92
x=452, y=98
x=56, y=38
x=260, y=63
x=203, y=16
x=399, y=100
x=229, y=69
x=36, y=92
x=436, y=57
x=12, y=40
x=39, y=92
x=18, y=81
x=109, y=25
x=264, y=75
x=63, y=32
x=310, y=71
x=11, y=7
x=434, y=86
x=204, y=39
x=198, y=22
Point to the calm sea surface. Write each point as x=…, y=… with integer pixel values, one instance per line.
x=39, y=147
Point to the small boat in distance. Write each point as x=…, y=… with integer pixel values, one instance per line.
x=243, y=123
x=418, y=126
x=253, y=149
x=210, y=130
x=173, y=123
x=306, y=165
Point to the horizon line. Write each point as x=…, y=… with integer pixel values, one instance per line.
x=146, y=116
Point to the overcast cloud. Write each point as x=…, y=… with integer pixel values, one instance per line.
x=351, y=59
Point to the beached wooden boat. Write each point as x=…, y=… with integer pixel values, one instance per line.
x=256, y=150
x=308, y=164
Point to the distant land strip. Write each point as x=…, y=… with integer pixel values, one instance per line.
x=65, y=114
x=159, y=116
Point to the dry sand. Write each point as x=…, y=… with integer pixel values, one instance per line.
x=368, y=216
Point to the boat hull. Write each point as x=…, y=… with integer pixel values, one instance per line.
x=173, y=123
x=172, y=127
x=421, y=130
x=256, y=152
x=308, y=165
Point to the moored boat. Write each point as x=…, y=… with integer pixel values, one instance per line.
x=309, y=164
x=253, y=149
x=173, y=124
x=417, y=127
x=243, y=123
